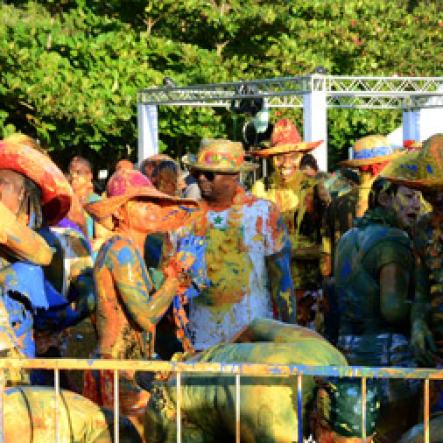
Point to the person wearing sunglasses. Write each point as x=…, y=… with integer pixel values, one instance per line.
x=243, y=270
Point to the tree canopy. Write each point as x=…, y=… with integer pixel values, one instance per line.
x=71, y=68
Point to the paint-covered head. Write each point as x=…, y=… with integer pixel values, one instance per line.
x=42, y=183
x=402, y=202
x=165, y=177
x=80, y=175
x=339, y=404
x=145, y=205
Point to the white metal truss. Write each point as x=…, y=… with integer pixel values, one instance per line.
x=288, y=92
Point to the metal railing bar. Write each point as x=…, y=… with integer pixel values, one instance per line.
x=116, y=407
x=300, y=407
x=57, y=404
x=179, y=407
x=2, y=390
x=251, y=369
x=237, y=408
x=363, y=409
x=426, y=411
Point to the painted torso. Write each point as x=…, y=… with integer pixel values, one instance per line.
x=118, y=335
x=236, y=243
x=361, y=254
x=295, y=201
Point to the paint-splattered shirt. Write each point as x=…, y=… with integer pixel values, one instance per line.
x=236, y=243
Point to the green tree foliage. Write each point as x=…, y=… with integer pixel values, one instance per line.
x=71, y=68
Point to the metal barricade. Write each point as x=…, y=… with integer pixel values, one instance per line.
x=236, y=369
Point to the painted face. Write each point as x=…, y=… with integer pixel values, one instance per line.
x=146, y=216
x=216, y=187
x=406, y=204
x=12, y=189
x=286, y=165
x=79, y=175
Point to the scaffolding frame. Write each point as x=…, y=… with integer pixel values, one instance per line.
x=314, y=93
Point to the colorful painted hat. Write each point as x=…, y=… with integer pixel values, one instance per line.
x=370, y=150
x=125, y=185
x=419, y=169
x=38, y=167
x=285, y=138
x=219, y=156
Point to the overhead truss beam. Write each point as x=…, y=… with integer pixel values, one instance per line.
x=288, y=92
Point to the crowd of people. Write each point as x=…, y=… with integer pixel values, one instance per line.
x=181, y=261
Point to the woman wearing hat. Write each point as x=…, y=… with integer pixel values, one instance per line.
x=423, y=170
x=129, y=305
x=297, y=196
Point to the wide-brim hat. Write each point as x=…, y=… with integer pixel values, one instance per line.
x=125, y=185
x=419, y=169
x=370, y=150
x=285, y=138
x=38, y=167
x=219, y=156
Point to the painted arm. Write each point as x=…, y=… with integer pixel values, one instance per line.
x=134, y=287
x=394, y=284
x=21, y=241
x=278, y=263
x=282, y=288
x=422, y=341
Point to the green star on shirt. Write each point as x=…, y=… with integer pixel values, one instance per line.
x=218, y=220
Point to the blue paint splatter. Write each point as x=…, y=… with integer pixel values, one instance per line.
x=125, y=256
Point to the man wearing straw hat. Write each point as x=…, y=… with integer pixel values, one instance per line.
x=297, y=197
x=245, y=250
x=129, y=304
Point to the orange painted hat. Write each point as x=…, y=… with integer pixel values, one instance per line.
x=421, y=169
x=219, y=156
x=127, y=184
x=38, y=167
x=285, y=138
x=370, y=150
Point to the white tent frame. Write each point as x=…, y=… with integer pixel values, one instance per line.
x=314, y=93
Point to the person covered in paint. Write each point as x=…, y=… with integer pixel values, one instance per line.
x=129, y=304
x=423, y=170
x=29, y=416
x=296, y=195
x=80, y=177
x=34, y=193
x=268, y=405
x=242, y=268
x=373, y=270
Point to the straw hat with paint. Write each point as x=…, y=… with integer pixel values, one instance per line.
x=219, y=156
x=421, y=169
x=127, y=184
x=38, y=167
x=370, y=150
x=285, y=138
